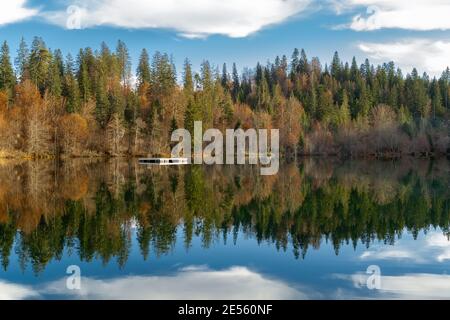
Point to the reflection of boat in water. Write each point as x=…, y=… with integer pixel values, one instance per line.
x=163, y=161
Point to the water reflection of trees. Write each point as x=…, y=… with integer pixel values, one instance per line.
x=91, y=209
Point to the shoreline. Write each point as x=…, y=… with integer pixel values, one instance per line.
x=290, y=157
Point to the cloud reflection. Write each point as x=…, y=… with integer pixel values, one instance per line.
x=13, y=291
x=192, y=283
x=407, y=286
x=434, y=246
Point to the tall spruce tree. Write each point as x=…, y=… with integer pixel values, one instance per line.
x=71, y=90
x=123, y=57
x=54, y=78
x=143, y=69
x=188, y=81
x=303, y=64
x=225, y=77
x=236, y=84
x=7, y=77
x=21, y=61
x=39, y=63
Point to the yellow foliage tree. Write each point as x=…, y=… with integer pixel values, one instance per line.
x=74, y=132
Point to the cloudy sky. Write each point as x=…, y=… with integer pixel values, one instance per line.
x=411, y=33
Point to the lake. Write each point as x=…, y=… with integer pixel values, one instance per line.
x=320, y=229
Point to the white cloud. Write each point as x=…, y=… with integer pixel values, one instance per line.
x=404, y=14
x=15, y=10
x=192, y=19
x=427, y=55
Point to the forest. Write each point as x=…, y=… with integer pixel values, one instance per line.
x=96, y=105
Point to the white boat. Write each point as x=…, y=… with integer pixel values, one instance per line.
x=164, y=161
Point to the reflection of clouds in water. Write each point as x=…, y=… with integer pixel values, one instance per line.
x=236, y=283
x=434, y=246
x=389, y=254
x=12, y=291
x=427, y=249
x=189, y=283
x=407, y=286
x=442, y=243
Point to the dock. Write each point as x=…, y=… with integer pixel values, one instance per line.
x=164, y=161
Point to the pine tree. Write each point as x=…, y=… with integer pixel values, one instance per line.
x=54, y=82
x=83, y=78
x=7, y=77
x=445, y=88
x=336, y=66
x=227, y=105
x=163, y=76
x=354, y=71
x=436, y=100
x=131, y=109
x=344, y=111
x=303, y=65
x=107, y=64
x=143, y=69
x=416, y=95
x=39, y=63
x=363, y=104
x=59, y=60
x=263, y=95
x=325, y=104
x=206, y=97
x=245, y=85
x=206, y=76
x=193, y=113
x=295, y=63
x=345, y=76
x=70, y=87
x=366, y=70
x=188, y=81
x=393, y=96
x=259, y=74
x=102, y=106
x=21, y=62
x=284, y=64
x=236, y=84
x=124, y=60
x=224, y=79
x=311, y=101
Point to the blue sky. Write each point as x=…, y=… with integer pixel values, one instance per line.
x=411, y=33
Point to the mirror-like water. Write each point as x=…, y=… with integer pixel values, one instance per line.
x=310, y=232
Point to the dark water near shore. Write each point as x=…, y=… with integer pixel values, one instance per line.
x=225, y=232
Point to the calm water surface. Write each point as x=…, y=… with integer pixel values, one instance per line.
x=225, y=232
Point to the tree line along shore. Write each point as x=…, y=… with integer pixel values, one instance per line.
x=93, y=104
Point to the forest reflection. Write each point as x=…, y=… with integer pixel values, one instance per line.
x=91, y=209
